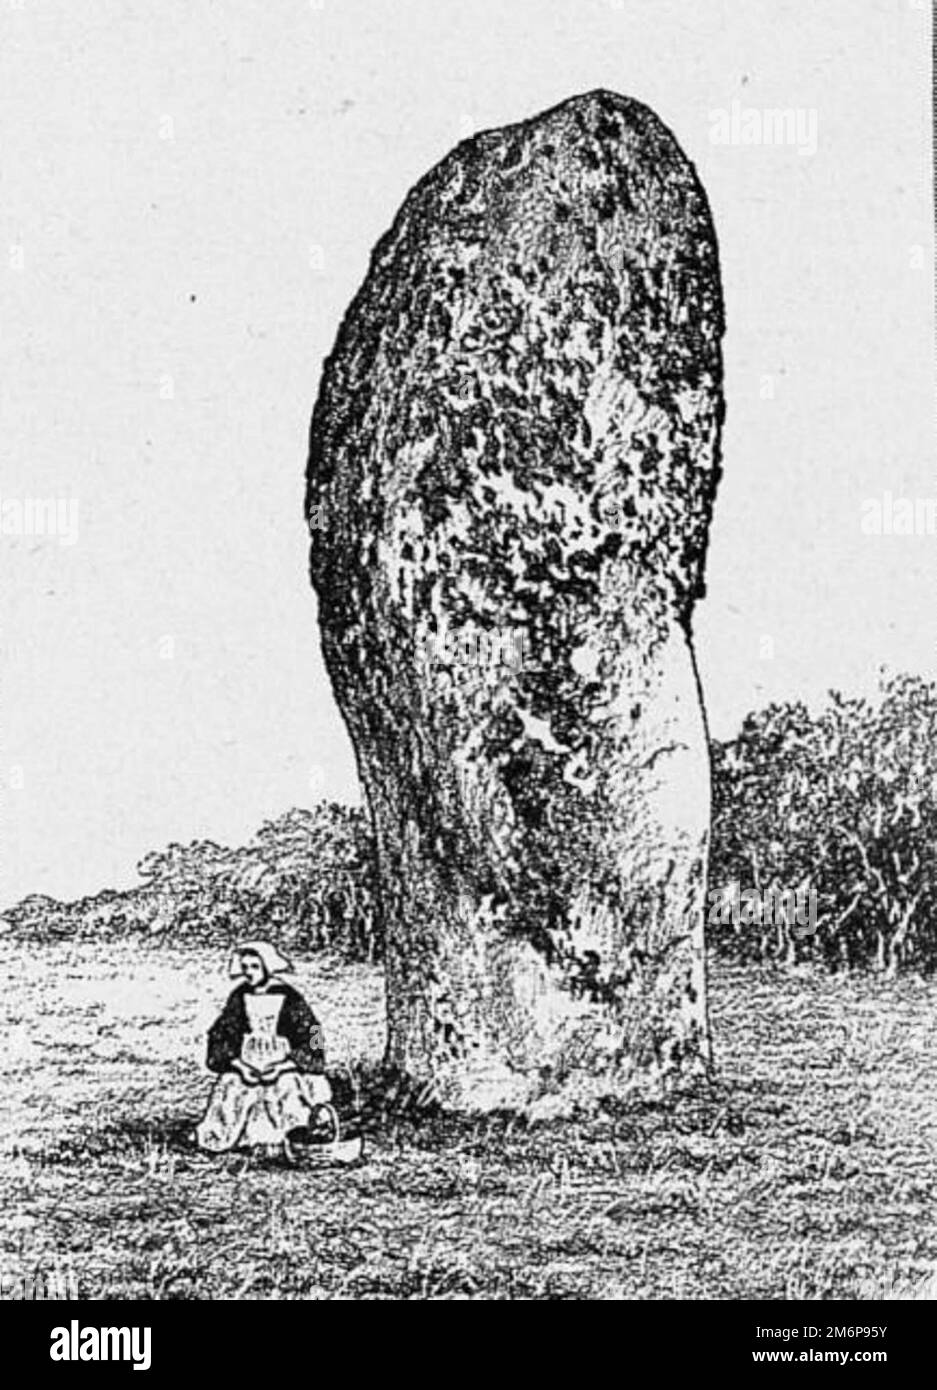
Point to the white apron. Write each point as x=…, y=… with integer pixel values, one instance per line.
x=240, y=1116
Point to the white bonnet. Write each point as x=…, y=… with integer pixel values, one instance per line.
x=273, y=962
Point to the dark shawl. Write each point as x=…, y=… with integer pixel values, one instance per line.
x=297, y=1023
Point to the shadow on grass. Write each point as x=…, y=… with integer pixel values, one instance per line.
x=394, y=1115
x=123, y=1138
x=390, y=1106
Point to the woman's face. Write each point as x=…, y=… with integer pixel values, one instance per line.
x=253, y=969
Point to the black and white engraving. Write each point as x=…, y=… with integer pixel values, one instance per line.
x=468, y=668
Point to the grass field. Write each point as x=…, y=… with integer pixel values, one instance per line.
x=807, y=1170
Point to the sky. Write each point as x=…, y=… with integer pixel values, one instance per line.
x=189, y=193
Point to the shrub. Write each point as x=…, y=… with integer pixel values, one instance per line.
x=304, y=881
x=842, y=803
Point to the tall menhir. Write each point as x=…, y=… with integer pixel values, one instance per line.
x=518, y=429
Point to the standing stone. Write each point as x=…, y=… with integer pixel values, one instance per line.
x=513, y=461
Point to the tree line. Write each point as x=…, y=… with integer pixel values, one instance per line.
x=839, y=803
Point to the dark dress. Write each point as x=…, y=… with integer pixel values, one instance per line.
x=277, y=1037
x=297, y=1023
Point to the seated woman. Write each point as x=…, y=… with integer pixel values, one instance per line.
x=267, y=1048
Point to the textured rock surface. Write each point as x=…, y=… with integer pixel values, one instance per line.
x=517, y=433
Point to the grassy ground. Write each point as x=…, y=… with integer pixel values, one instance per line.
x=808, y=1170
